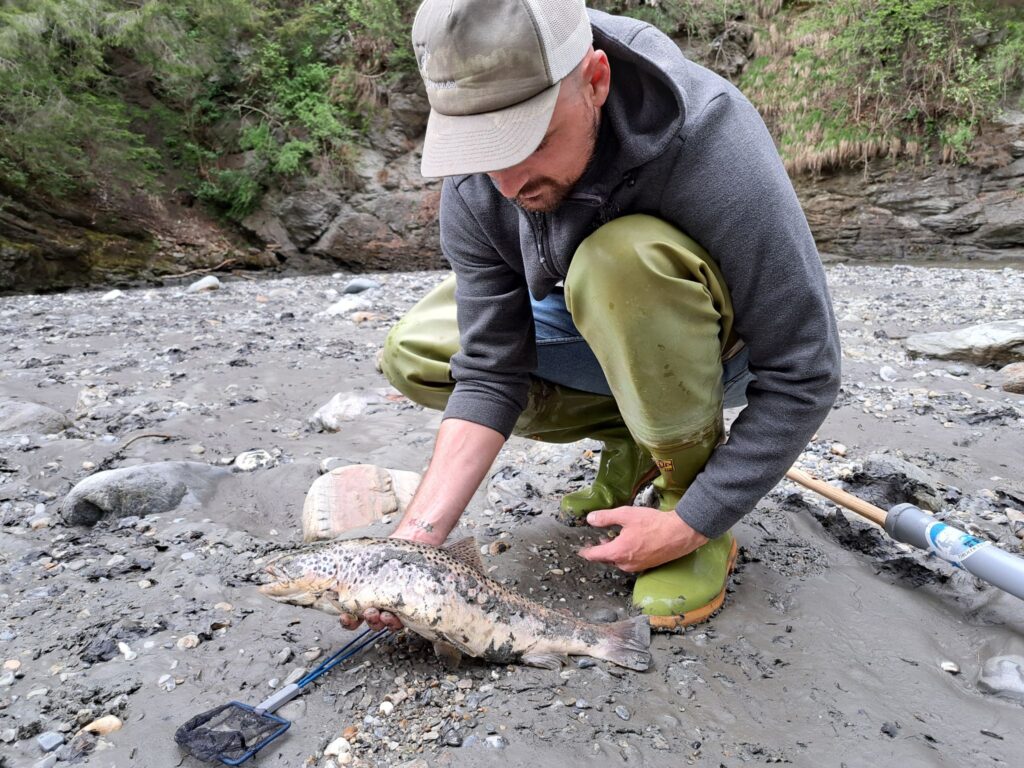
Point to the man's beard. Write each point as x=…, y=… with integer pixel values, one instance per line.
x=545, y=194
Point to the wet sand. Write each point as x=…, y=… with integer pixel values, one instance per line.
x=829, y=650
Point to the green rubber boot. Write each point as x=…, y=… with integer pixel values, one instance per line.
x=557, y=414
x=623, y=468
x=688, y=590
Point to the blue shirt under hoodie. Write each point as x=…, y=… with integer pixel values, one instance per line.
x=680, y=143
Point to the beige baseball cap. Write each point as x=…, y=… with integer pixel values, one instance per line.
x=492, y=70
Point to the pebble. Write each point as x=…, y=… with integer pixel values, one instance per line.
x=950, y=666
x=360, y=284
x=6, y=679
x=126, y=651
x=283, y=656
x=187, y=642
x=1003, y=676
x=497, y=547
x=104, y=725
x=890, y=729
x=49, y=740
x=166, y=682
x=496, y=742
x=332, y=462
x=386, y=708
x=47, y=762
x=208, y=283
x=623, y=713
x=111, y=295
x=337, y=747
x=12, y=665
x=346, y=305
x=452, y=738
x=253, y=460
x=604, y=616
x=888, y=373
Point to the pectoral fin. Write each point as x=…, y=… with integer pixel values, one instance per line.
x=545, y=660
x=449, y=655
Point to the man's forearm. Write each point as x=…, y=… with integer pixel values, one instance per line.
x=463, y=453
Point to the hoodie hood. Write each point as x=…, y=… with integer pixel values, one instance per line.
x=646, y=105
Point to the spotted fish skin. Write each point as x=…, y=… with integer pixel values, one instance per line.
x=444, y=595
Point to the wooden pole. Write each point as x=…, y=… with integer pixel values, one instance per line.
x=875, y=514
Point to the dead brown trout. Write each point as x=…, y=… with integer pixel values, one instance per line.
x=444, y=595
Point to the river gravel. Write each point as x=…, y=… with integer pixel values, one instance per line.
x=836, y=645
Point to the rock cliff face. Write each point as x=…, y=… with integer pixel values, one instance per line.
x=939, y=213
x=384, y=216
x=54, y=247
x=890, y=212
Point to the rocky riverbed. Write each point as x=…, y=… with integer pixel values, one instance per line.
x=836, y=646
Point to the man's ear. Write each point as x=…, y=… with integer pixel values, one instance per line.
x=597, y=76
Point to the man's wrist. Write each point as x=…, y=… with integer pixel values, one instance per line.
x=413, y=528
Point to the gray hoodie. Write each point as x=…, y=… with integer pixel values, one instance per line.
x=680, y=143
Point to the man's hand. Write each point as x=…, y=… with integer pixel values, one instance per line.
x=463, y=453
x=376, y=619
x=649, y=537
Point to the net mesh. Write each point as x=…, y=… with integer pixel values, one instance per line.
x=227, y=733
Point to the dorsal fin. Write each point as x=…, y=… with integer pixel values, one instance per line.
x=466, y=552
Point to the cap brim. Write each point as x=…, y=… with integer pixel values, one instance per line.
x=462, y=144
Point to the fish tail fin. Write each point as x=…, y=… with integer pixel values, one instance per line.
x=626, y=643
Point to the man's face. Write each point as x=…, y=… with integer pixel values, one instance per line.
x=541, y=182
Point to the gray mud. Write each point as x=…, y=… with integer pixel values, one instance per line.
x=829, y=651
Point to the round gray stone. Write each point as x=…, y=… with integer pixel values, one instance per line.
x=1003, y=676
x=30, y=418
x=148, y=489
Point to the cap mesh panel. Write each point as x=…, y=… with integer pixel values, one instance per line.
x=564, y=31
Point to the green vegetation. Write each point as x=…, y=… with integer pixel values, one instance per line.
x=698, y=18
x=844, y=81
x=231, y=97
x=245, y=93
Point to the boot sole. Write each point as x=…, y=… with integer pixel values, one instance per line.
x=672, y=623
x=574, y=521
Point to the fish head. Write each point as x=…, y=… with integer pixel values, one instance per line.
x=305, y=578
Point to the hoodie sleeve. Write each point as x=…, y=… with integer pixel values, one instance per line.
x=731, y=193
x=496, y=335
